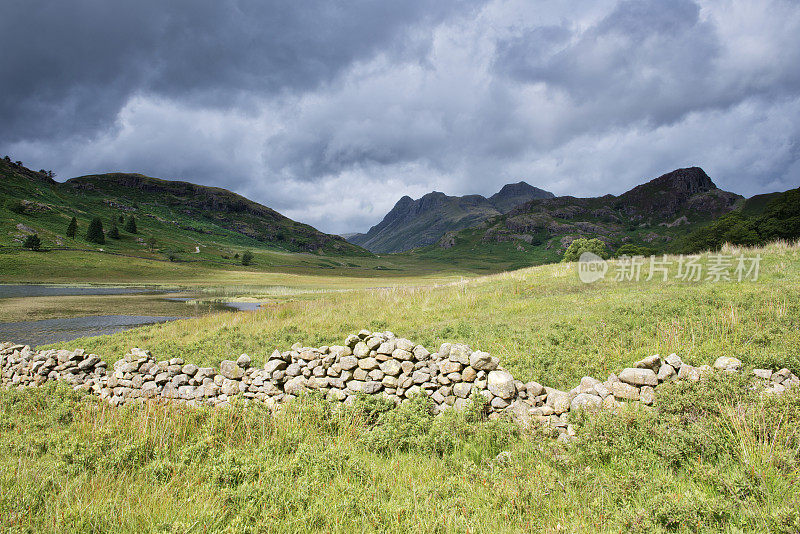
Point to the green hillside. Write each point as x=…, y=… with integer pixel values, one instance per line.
x=761, y=219
x=175, y=220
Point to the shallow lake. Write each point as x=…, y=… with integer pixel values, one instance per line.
x=53, y=330
x=33, y=290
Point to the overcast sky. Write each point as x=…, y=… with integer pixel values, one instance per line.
x=330, y=111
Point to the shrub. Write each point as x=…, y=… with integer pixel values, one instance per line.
x=32, y=242
x=95, y=232
x=15, y=206
x=247, y=257
x=633, y=250
x=114, y=232
x=72, y=228
x=581, y=245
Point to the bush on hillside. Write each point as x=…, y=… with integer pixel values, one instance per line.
x=581, y=245
x=633, y=250
x=32, y=242
x=72, y=228
x=15, y=206
x=247, y=257
x=95, y=232
x=114, y=232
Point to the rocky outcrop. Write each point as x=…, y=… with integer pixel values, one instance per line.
x=367, y=363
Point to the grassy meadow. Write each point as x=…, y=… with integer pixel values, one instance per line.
x=708, y=457
x=543, y=322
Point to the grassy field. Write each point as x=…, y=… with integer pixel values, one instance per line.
x=543, y=322
x=710, y=457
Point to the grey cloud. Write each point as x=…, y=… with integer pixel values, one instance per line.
x=69, y=67
x=331, y=118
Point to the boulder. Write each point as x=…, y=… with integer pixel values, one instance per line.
x=501, y=384
x=421, y=353
x=651, y=362
x=243, y=361
x=462, y=390
x=404, y=344
x=639, y=376
x=584, y=401
x=230, y=369
x=621, y=390
x=728, y=363
x=391, y=367
x=368, y=364
x=230, y=387
x=274, y=365
x=295, y=385
x=766, y=374
x=559, y=401
x=588, y=383
x=348, y=362
x=460, y=353
x=647, y=395
x=674, y=360
x=688, y=372
x=665, y=372
x=480, y=360
x=402, y=354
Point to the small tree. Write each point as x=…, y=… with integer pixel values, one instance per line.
x=114, y=232
x=247, y=257
x=121, y=219
x=581, y=245
x=130, y=226
x=95, y=232
x=72, y=228
x=32, y=242
x=151, y=243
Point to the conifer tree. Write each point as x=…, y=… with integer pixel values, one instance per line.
x=95, y=232
x=130, y=226
x=72, y=228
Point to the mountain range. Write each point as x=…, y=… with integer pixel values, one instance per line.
x=416, y=223
x=654, y=216
x=680, y=211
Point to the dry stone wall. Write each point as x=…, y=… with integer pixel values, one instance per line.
x=367, y=363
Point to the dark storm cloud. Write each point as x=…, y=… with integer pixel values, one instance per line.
x=70, y=66
x=331, y=111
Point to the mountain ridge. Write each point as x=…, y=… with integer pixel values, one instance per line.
x=651, y=215
x=414, y=223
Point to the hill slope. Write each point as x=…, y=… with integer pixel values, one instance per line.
x=415, y=223
x=651, y=215
x=181, y=217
